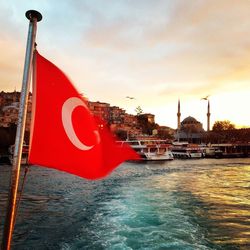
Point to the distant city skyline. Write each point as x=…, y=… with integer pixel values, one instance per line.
x=141, y=53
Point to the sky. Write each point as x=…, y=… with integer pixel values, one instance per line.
x=157, y=51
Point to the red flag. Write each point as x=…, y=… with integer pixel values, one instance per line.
x=64, y=134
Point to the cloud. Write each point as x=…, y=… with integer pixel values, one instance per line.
x=201, y=41
x=211, y=44
x=158, y=50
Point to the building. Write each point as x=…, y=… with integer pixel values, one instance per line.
x=115, y=117
x=100, y=109
x=10, y=107
x=191, y=124
x=190, y=130
x=6, y=98
x=147, y=117
x=165, y=132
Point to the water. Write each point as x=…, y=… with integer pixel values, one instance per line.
x=183, y=204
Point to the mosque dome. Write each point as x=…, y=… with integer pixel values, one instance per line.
x=189, y=120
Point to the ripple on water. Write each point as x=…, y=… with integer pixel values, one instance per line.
x=202, y=204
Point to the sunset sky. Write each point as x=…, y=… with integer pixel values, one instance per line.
x=157, y=51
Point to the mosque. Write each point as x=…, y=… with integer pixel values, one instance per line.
x=190, y=129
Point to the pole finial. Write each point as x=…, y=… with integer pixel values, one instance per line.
x=30, y=14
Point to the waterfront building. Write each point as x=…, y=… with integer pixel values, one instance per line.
x=9, y=109
x=9, y=114
x=116, y=118
x=191, y=124
x=100, y=109
x=132, y=125
x=147, y=117
x=165, y=132
x=6, y=98
x=190, y=130
x=117, y=115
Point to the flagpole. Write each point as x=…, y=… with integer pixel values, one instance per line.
x=34, y=17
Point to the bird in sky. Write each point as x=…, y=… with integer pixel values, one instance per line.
x=205, y=98
x=130, y=97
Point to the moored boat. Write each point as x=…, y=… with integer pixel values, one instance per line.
x=151, y=150
x=227, y=150
x=184, y=150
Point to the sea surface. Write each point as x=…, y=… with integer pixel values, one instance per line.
x=182, y=204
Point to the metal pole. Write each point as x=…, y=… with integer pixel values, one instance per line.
x=34, y=17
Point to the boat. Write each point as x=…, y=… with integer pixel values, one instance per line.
x=213, y=152
x=228, y=150
x=150, y=150
x=184, y=150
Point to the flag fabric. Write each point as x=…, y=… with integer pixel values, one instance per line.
x=64, y=133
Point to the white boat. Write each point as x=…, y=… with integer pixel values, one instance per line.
x=151, y=150
x=184, y=150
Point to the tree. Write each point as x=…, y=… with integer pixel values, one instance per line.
x=121, y=134
x=223, y=125
x=7, y=137
x=165, y=134
x=146, y=126
x=138, y=110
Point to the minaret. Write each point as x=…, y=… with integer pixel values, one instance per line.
x=208, y=115
x=179, y=116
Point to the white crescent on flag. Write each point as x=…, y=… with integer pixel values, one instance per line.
x=67, y=110
x=79, y=143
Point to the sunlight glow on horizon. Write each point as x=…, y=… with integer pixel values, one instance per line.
x=158, y=53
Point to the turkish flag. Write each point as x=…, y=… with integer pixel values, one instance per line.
x=64, y=134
